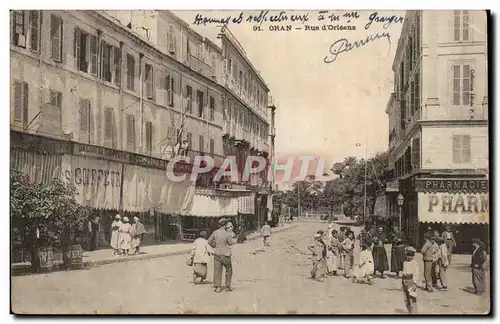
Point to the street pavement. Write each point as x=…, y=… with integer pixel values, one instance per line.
x=265, y=282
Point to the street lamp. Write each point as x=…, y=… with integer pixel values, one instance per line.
x=400, y=205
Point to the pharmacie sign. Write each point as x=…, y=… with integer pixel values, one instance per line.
x=453, y=207
x=444, y=185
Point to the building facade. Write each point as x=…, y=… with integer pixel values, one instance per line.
x=438, y=124
x=104, y=101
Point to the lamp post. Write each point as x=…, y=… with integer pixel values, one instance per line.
x=400, y=205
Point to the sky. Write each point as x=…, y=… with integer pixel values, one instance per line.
x=322, y=109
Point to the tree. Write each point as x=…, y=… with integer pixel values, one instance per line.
x=49, y=210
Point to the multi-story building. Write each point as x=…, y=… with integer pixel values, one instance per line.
x=438, y=124
x=104, y=101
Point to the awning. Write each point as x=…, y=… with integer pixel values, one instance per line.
x=246, y=204
x=212, y=206
x=453, y=208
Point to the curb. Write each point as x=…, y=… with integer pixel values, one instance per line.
x=166, y=254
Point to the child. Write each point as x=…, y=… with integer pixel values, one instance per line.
x=442, y=261
x=318, y=254
x=348, y=252
x=365, y=268
x=409, y=279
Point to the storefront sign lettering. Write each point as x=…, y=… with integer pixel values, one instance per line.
x=452, y=185
x=86, y=177
x=458, y=203
x=99, y=151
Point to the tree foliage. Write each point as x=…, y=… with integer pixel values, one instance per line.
x=51, y=209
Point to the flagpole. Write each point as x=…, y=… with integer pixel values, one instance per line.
x=366, y=167
x=298, y=200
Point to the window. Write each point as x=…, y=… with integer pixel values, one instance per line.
x=56, y=30
x=417, y=91
x=415, y=153
x=107, y=62
x=212, y=146
x=117, y=77
x=170, y=90
x=461, y=85
x=56, y=99
x=171, y=40
x=131, y=131
x=189, y=139
x=240, y=84
x=86, y=116
x=212, y=108
x=85, y=52
x=21, y=102
x=189, y=96
x=229, y=66
x=149, y=81
x=199, y=99
x=201, y=143
x=34, y=38
x=461, y=148
x=461, y=25
x=213, y=66
x=109, y=130
x=130, y=72
x=412, y=98
x=19, y=29
x=149, y=136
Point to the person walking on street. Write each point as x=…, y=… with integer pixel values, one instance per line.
x=94, y=232
x=478, y=259
x=435, y=257
x=318, y=254
x=137, y=232
x=222, y=240
x=442, y=262
x=115, y=229
x=450, y=241
x=341, y=237
x=428, y=252
x=410, y=277
x=200, y=254
x=379, y=252
x=348, y=252
x=398, y=256
x=124, y=238
x=266, y=234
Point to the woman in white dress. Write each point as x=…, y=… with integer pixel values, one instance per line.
x=332, y=252
x=125, y=239
x=366, y=265
x=115, y=227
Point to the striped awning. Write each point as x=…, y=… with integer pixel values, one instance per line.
x=40, y=167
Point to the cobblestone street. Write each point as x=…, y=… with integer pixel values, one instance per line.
x=274, y=281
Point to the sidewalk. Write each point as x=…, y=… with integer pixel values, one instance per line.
x=105, y=256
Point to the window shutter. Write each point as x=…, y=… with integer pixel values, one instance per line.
x=465, y=25
x=34, y=19
x=466, y=85
x=456, y=149
x=167, y=87
x=201, y=144
x=118, y=65
x=93, y=54
x=18, y=101
x=77, y=48
x=173, y=90
x=212, y=146
x=189, y=139
x=456, y=25
x=25, y=104
x=466, y=154
x=456, y=85
x=415, y=153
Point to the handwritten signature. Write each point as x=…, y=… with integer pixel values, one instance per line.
x=344, y=46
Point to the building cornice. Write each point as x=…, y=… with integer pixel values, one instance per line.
x=457, y=122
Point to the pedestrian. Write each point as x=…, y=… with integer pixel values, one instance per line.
x=435, y=257
x=410, y=277
x=222, y=240
x=341, y=237
x=124, y=237
x=137, y=232
x=333, y=253
x=318, y=254
x=242, y=235
x=428, y=256
x=94, y=232
x=442, y=261
x=365, y=268
x=115, y=230
x=379, y=253
x=200, y=254
x=478, y=259
x=397, y=251
x=449, y=239
x=266, y=234
x=348, y=252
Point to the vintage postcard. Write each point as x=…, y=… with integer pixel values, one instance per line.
x=249, y=162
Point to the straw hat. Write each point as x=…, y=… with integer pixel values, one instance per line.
x=136, y=218
x=410, y=250
x=125, y=219
x=117, y=216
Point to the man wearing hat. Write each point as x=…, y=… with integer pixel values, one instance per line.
x=477, y=265
x=428, y=250
x=410, y=277
x=318, y=250
x=222, y=240
x=449, y=239
x=115, y=227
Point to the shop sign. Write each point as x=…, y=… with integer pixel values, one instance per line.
x=453, y=207
x=99, y=151
x=453, y=185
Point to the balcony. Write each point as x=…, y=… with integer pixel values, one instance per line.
x=198, y=65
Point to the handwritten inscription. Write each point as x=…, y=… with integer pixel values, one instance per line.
x=343, y=45
x=276, y=18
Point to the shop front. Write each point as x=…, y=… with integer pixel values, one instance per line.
x=462, y=203
x=207, y=207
